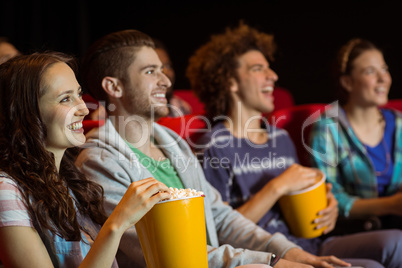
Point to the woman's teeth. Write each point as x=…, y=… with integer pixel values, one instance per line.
x=380, y=89
x=75, y=126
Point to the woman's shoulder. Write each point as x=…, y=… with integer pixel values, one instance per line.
x=6, y=179
x=13, y=211
x=8, y=188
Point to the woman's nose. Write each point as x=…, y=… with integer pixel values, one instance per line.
x=383, y=76
x=81, y=109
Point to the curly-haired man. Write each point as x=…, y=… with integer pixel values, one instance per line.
x=253, y=164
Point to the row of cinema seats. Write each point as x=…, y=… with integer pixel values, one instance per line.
x=296, y=119
x=282, y=99
x=191, y=127
x=189, y=124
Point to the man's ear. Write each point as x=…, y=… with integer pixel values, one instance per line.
x=112, y=86
x=346, y=82
x=234, y=86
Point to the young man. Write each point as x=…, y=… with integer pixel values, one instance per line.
x=253, y=164
x=123, y=71
x=177, y=106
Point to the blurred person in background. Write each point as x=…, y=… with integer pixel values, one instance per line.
x=177, y=106
x=252, y=163
x=7, y=50
x=360, y=147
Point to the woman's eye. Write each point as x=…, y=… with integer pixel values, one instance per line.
x=150, y=72
x=369, y=71
x=65, y=99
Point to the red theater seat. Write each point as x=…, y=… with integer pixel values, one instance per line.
x=90, y=124
x=92, y=105
x=189, y=96
x=297, y=121
x=189, y=127
x=282, y=99
x=394, y=104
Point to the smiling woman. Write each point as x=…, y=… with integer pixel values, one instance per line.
x=45, y=199
x=62, y=109
x=359, y=148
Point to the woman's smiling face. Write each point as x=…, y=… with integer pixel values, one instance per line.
x=370, y=79
x=62, y=108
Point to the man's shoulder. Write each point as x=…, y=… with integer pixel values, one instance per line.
x=169, y=139
x=218, y=134
x=95, y=152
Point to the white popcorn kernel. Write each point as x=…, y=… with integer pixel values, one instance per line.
x=183, y=193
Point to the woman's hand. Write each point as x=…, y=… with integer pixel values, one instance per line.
x=139, y=198
x=327, y=217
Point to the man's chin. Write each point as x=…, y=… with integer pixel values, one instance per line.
x=267, y=109
x=160, y=112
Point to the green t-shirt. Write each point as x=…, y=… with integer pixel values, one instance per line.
x=162, y=171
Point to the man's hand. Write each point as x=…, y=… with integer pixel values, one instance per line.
x=301, y=256
x=295, y=178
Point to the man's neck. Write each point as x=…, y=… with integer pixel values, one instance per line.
x=244, y=124
x=134, y=129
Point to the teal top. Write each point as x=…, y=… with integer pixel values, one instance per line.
x=162, y=171
x=338, y=152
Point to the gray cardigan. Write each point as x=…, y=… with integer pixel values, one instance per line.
x=233, y=239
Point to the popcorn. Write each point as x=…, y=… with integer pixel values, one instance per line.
x=183, y=193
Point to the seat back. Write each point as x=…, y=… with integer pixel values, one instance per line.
x=282, y=99
x=394, y=104
x=190, y=127
x=189, y=96
x=297, y=121
x=92, y=120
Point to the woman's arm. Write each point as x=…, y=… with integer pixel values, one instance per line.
x=389, y=205
x=140, y=197
x=21, y=246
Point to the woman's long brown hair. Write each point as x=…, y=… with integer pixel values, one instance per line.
x=23, y=155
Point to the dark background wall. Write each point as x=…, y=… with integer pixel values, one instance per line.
x=307, y=33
